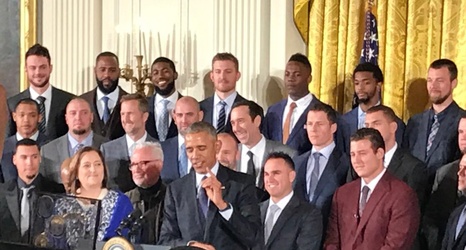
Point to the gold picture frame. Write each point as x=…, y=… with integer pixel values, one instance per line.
x=27, y=36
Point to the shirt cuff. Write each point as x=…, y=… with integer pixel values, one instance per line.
x=226, y=213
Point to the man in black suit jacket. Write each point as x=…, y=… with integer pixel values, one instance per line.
x=431, y=136
x=288, y=222
x=105, y=98
x=160, y=125
x=212, y=205
x=17, y=220
x=26, y=117
x=38, y=69
x=225, y=73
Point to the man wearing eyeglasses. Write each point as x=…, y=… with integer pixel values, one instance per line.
x=148, y=196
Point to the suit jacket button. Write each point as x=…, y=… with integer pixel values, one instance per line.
x=103, y=132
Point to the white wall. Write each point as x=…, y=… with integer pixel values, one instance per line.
x=261, y=33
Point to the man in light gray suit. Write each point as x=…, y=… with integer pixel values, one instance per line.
x=245, y=118
x=117, y=153
x=79, y=119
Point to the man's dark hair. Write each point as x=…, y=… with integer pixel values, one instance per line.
x=437, y=64
x=26, y=142
x=298, y=57
x=369, y=67
x=165, y=60
x=254, y=108
x=281, y=155
x=373, y=135
x=28, y=101
x=327, y=109
x=226, y=57
x=38, y=50
x=387, y=112
x=198, y=127
x=107, y=54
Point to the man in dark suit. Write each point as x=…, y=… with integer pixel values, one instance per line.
x=52, y=101
x=445, y=196
x=431, y=136
x=20, y=223
x=176, y=163
x=26, y=117
x=377, y=211
x=160, y=123
x=324, y=168
x=368, y=79
x=117, y=153
x=225, y=73
x=148, y=196
x=105, y=98
x=455, y=233
x=288, y=222
x=285, y=120
x=211, y=206
x=79, y=119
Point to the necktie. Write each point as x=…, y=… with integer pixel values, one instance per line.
x=25, y=209
x=363, y=201
x=314, y=175
x=78, y=147
x=203, y=200
x=269, y=222
x=162, y=127
x=432, y=134
x=287, y=125
x=221, y=117
x=362, y=120
x=42, y=122
x=461, y=221
x=106, y=111
x=251, y=168
x=183, y=162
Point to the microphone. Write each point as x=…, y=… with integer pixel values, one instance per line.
x=128, y=220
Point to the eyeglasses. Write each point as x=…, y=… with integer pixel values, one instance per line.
x=141, y=164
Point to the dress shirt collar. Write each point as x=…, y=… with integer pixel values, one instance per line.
x=33, y=137
x=372, y=184
x=200, y=176
x=256, y=149
x=171, y=98
x=229, y=100
x=130, y=143
x=303, y=102
x=86, y=142
x=113, y=96
x=47, y=94
x=326, y=151
x=22, y=184
x=389, y=155
x=180, y=140
x=283, y=202
x=361, y=113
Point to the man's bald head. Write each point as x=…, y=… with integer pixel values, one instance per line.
x=228, y=154
x=187, y=111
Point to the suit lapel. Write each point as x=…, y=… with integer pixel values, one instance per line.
x=208, y=113
x=279, y=125
x=13, y=204
x=299, y=126
x=54, y=102
x=447, y=123
x=301, y=185
x=353, y=120
x=328, y=176
x=191, y=201
x=395, y=162
x=287, y=212
x=423, y=134
x=63, y=148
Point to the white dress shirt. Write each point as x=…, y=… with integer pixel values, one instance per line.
x=33, y=137
x=159, y=107
x=112, y=101
x=281, y=204
x=372, y=184
x=130, y=143
x=389, y=155
x=323, y=160
x=362, y=116
x=217, y=106
x=301, y=105
x=258, y=151
x=48, y=100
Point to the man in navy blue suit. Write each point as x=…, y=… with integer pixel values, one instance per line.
x=368, y=79
x=285, y=120
x=176, y=163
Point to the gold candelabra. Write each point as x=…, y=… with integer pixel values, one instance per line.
x=139, y=81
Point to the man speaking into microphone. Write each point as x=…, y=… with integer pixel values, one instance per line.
x=212, y=207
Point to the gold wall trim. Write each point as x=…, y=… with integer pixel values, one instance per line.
x=27, y=36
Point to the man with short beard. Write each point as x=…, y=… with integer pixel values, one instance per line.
x=432, y=135
x=38, y=69
x=105, y=98
x=160, y=123
x=368, y=79
x=78, y=118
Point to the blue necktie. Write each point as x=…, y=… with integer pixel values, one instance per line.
x=162, y=128
x=203, y=200
x=106, y=111
x=183, y=161
x=314, y=175
x=43, y=122
x=221, y=117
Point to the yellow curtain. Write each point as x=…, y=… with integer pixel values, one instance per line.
x=412, y=34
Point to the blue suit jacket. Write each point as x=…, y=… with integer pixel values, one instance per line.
x=151, y=125
x=298, y=139
x=170, y=171
x=333, y=177
x=8, y=169
x=351, y=118
x=207, y=106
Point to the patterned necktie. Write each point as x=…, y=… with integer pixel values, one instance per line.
x=25, y=209
x=43, y=122
x=432, y=134
x=106, y=111
x=221, y=117
x=202, y=198
x=314, y=175
x=461, y=221
x=162, y=127
x=269, y=222
x=251, y=167
x=363, y=201
x=183, y=161
x=77, y=148
x=287, y=125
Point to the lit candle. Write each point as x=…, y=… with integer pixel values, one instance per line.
x=140, y=42
x=117, y=43
x=195, y=55
x=144, y=43
x=150, y=45
x=128, y=59
x=160, y=44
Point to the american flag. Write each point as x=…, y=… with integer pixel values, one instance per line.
x=370, y=48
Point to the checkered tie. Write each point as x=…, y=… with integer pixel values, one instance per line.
x=43, y=122
x=221, y=117
x=432, y=134
x=162, y=128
